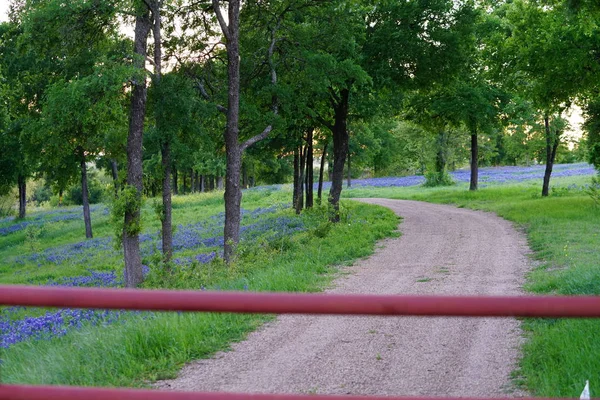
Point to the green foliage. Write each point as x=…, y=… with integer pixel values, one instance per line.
x=438, y=178
x=32, y=236
x=593, y=190
x=128, y=201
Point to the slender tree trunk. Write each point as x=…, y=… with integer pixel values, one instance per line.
x=474, y=161
x=87, y=218
x=115, y=175
x=244, y=176
x=219, y=182
x=166, y=217
x=233, y=192
x=192, y=182
x=296, y=178
x=309, y=169
x=165, y=147
x=131, y=244
x=197, y=179
x=349, y=182
x=340, y=147
x=22, y=183
x=175, y=188
x=202, y=184
x=60, y=197
x=321, y=171
x=552, y=143
x=300, y=202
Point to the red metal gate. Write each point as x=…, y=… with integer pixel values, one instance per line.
x=271, y=303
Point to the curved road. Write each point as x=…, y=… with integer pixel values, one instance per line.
x=442, y=250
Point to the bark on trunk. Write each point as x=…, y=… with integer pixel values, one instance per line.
x=87, y=218
x=131, y=244
x=340, y=147
x=233, y=192
x=300, y=202
x=552, y=142
x=309, y=169
x=165, y=148
x=349, y=178
x=296, y=178
x=22, y=183
x=115, y=175
x=175, y=188
x=192, y=182
x=202, y=184
x=321, y=171
x=166, y=217
x=474, y=162
x=219, y=183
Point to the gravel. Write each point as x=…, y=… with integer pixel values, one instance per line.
x=443, y=250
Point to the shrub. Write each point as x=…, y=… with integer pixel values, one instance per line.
x=434, y=178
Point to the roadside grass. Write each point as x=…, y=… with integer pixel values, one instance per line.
x=563, y=231
x=143, y=347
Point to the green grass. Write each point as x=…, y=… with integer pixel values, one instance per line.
x=150, y=346
x=563, y=230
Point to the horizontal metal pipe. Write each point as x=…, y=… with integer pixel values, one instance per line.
x=10, y=392
x=289, y=303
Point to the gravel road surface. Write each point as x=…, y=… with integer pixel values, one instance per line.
x=443, y=250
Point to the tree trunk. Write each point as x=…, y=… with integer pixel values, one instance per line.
x=131, y=244
x=198, y=183
x=60, y=197
x=244, y=177
x=300, y=201
x=219, y=180
x=552, y=142
x=184, y=177
x=349, y=179
x=296, y=178
x=192, y=181
x=175, y=188
x=233, y=192
x=309, y=169
x=340, y=147
x=115, y=175
x=165, y=147
x=474, y=161
x=202, y=184
x=87, y=218
x=22, y=183
x=321, y=171
x=166, y=217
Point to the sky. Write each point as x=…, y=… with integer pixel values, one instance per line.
x=3, y=10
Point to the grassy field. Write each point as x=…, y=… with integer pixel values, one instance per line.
x=563, y=230
x=280, y=252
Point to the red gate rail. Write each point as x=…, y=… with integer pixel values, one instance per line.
x=74, y=393
x=272, y=303
x=288, y=303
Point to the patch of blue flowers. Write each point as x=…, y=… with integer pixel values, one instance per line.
x=57, y=323
x=486, y=175
x=65, y=214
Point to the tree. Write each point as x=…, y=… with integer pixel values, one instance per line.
x=233, y=147
x=133, y=191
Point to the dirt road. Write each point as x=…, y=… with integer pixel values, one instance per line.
x=442, y=250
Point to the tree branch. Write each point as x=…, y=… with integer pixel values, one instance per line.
x=221, y=20
x=206, y=96
x=255, y=139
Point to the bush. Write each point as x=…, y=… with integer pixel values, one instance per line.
x=433, y=179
